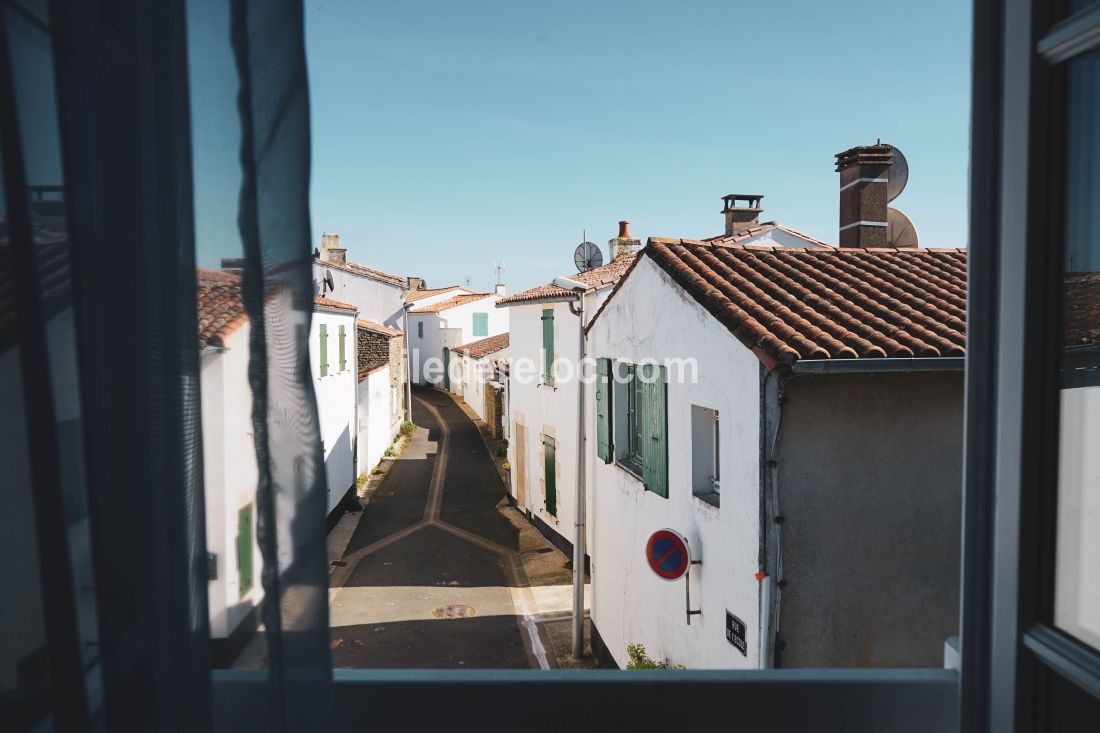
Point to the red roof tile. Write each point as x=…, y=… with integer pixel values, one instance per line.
x=764, y=228
x=454, y=302
x=221, y=310
x=378, y=328
x=483, y=347
x=788, y=304
x=364, y=271
x=330, y=303
x=597, y=278
x=414, y=295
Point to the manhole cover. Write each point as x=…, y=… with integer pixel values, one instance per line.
x=455, y=610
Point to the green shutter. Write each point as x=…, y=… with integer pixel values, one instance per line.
x=548, y=346
x=420, y=329
x=244, y=549
x=655, y=429
x=343, y=359
x=481, y=324
x=604, y=449
x=550, y=459
x=324, y=350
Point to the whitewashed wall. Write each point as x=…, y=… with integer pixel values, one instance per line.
x=476, y=374
x=377, y=426
x=652, y=317
x=230, y=476
x=377, y=301
x=336, y=400
x=450, y=328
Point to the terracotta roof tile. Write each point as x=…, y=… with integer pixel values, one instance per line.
x=363, y=270
x=597, y=278
x=414, y=295
x=788, y=304
x=330, y=303
x=1081, y=303
x=221, y=310
x=483, y=347
x=764, y=228
x=378, y=328
x=454, y=302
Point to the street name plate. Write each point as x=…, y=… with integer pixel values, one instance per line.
x=735, y=633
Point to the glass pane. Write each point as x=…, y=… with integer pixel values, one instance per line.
x=1077, y=578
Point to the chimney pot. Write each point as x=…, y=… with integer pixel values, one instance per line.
x=739, y=218
x=624, y=230
x=624, y=244
x=864, y=172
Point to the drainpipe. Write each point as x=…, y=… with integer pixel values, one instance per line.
x=579, y=512
x=408, y=369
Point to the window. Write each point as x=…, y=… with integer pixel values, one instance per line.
x=550, y=474
x=420, y=329
x=548, y=346
x=639, y=425
x=343, y=356
x=244, y=549
x=605, y=444
x=481, y=324
x=704, y=454
x=323, y=340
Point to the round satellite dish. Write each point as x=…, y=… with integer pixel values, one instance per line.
x=587, y=256
x=898, y=175
x=900, y=231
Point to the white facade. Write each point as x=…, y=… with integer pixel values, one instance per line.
x=230, y=476
x=473, y=377
x=431, y=333
x=336, y=394
x=377, y=424
x=377, y=299
x=651, y=317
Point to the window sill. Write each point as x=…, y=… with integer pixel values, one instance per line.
x=711, y=497
x=632, y=469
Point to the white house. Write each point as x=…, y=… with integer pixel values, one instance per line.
x=334, y=363
x=381, y=387
x=796, y=414
x=476, y=377
x=229, y=464
x=542, y=410
x=378, y=295
x=435, y=328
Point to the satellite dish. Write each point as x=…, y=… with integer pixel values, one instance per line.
x=328, y=281
x=587, y=256
x=900, y=231
x=897, y=176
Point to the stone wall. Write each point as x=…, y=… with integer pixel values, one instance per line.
x=396, y=358
x=494, y=404
x=374, y=349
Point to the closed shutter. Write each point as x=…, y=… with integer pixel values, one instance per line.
x=655, y=429
x=244, y=549
x=604, y=449
x=548, y=346
x=420, y=329
x=343, y=357
x=324, y=349
x=550, y=460
x=481, y=324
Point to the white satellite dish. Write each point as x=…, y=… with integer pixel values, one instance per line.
x=897, y=176
x=900, y=231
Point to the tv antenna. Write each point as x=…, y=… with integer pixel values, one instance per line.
x=498, y=268
x=587, y=256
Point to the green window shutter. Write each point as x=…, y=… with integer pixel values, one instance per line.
x=548, y=346
x=655, y=429
x=549, y=452
x=481, y=324
x=604, y=449
x=244, y=549
x=343, y=358
x=420, y=329
x=324, y=350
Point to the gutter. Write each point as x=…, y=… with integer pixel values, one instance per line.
x=861, y=366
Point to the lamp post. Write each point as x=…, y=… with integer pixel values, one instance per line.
x=578, y=289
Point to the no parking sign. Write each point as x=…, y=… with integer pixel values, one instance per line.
x=667, y=554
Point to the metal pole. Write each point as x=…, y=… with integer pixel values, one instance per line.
x=579, y=513
x=408, y=370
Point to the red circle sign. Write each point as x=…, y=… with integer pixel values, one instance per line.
x=667, y=554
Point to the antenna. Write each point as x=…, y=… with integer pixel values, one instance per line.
x=498, y=269
x=587, y=256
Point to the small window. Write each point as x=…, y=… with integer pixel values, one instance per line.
x=640, y=428
x=343, y=353
x=550, y=475
x=704, y=454
x=548, y=346
x=420, y=329
x=481, y=324
x=323, y=339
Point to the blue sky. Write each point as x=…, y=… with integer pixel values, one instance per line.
x=449, y=135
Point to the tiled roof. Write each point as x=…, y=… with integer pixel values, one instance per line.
x=1081, y=303
x=764, y=228
x=378, y=328
x=483, y=347
x=330, y=303
x=221, y=310
x=363, y=270
x=789, y=304
x=454, y=302
x=414, y=295
x=597, y=278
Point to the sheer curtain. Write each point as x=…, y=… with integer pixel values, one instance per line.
x=118, y=182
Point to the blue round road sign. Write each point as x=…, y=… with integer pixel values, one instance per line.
x=667, y=554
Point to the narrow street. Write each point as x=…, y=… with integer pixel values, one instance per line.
x=434, y=573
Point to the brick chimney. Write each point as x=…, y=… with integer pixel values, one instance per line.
x=331, y=251
x=623, y=244
x=741, y=217
x=863, y=178
x=413, y=282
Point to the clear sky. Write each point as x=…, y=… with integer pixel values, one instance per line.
x=451, y=134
